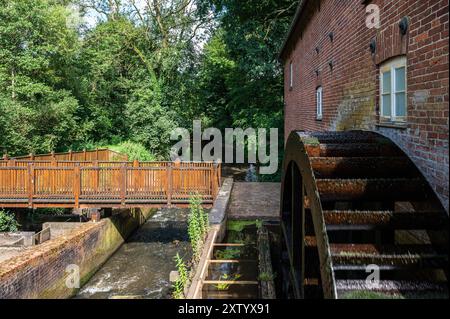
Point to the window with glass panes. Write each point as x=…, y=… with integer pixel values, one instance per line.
x=319, y=102
x=393, y=90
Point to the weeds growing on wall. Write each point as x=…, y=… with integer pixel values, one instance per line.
x=198, y=223
x=198, y=226
x=180, y=283
x=8, y=222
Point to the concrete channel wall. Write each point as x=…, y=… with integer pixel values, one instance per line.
x=42, y=271
x=216, y=233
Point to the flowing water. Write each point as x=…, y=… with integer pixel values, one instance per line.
x=141, y=267
x=251, y=175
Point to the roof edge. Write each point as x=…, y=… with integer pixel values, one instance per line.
x=298, y=13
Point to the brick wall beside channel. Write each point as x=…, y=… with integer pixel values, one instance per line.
x=40, y=272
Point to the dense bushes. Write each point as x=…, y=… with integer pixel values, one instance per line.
x=136, y=74
x=135, y=151
x=8, y=222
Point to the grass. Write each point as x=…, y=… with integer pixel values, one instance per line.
x=369, y=295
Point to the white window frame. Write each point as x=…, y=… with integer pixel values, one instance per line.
x=391, y=66
x=319, y=103
x=291, y=75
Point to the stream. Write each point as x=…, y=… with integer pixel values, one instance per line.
x=140, y=268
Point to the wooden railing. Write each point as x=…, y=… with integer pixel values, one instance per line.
x=105, y=184
x=92, y=155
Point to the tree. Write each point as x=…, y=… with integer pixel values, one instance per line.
x=36, y=53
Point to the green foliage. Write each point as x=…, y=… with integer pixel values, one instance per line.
x=8, y=222
x=241, y=80
x=37, y=50
x=265, y=276
x=135, y=151
x=51, y=211
x=180, y=284
x=228, y=254
x=227, y=277
x=137, y=74
x=198, y=225
x=240, y=225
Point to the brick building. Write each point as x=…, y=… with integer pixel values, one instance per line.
x=343, y=71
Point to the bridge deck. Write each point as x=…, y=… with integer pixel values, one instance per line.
x=72, y=184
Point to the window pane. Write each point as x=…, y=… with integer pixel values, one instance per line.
x=386, y=108
x=387, y=82
x=400, y=104
x=291, y=75
x=319, y=101
x=400, y=79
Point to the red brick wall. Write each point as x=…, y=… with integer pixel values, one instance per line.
x=350, y=88
x=40, y=271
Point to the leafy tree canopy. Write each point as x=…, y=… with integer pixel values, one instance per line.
x=142, y=69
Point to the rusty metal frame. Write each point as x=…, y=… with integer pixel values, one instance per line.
x=296, y=153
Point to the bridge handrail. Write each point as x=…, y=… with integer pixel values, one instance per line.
x=122, y=182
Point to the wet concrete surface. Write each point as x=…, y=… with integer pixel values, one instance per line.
x=250, y=201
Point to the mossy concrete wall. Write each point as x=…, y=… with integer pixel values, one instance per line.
x=41, y=271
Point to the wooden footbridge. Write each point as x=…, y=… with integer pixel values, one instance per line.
x=103, y=179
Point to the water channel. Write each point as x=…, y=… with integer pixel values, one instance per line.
x=140, y=268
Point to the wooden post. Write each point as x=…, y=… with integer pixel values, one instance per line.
x=70, y=155
x=214, y=180
x=84, y=155
x=30, y=184
x=169, y=184
x=77, y=185
x=96, y=169
x=5, y=157
x=136, y=176
x=96, y=154
x=123, y=187
x=31, y=156
x=53, y=156
x=219, y=168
